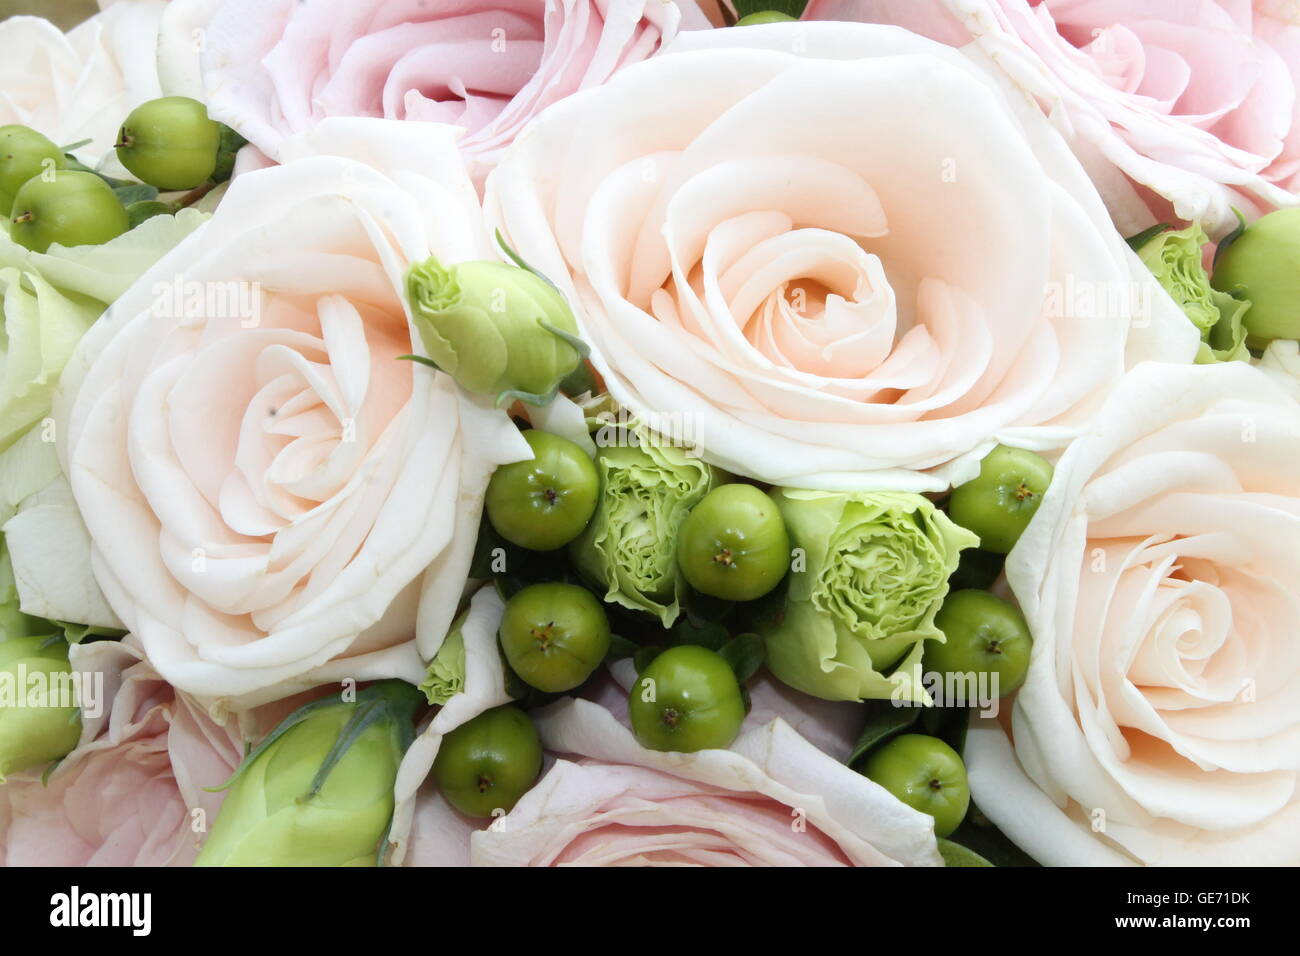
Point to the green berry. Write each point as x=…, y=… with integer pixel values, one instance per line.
x=984, y=635
x=554, y=635
x=686, y=699
x=71, y=208
x=545, y=502
x=485, y=765
x=170, y=143
x=926, y=774
x=24, y=153
x=999, y=503
x=733, y=545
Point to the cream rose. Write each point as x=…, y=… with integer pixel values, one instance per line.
x=273, y=499
x=1160, y=722
x=833, y=255
x=80, y=85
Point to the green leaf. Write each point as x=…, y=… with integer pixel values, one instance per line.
x=1136, y=242
x=704, y=634
x=744, y=653
x=135, y=192
x=977, y=570
x=948, y=724
x=978, y=835
x=620, y=648
x=643, y=656
x=884, y=720
x=954, y=854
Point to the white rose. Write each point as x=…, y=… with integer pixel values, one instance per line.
x=1160, y=721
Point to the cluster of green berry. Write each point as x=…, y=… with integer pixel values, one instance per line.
x=169, y=143
x=733, y=548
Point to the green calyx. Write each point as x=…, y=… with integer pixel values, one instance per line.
x=869, y=573
x=318, y=790
x=1175, y=259
x=497, y=329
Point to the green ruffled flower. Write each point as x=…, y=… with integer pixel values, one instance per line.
x=1174, y=258
x=630, y=545
x=446, y=675
x=49, y=300
x=318, y=791
x=870, y=571
x=495, y=328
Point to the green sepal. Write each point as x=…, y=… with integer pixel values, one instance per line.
x=518, y=260
x=282, y=728
x=1139, y=240
x=509, y=396
x=421, y=360
x=364, y=715
x=1231, y=237
x=569, y=339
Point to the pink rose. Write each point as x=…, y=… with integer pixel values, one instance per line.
x=1195, y=101
x=1160, y=721
x=772, y=799
x=132, y=793
x=272, y=68
x=780, y=796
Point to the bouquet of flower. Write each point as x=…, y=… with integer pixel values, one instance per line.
x=605, y=432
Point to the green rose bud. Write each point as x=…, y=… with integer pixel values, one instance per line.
x=318, y=791
x=495, y=328
x=869, y=572
x=1174, y=258
x=39, y=719
x=446, y=676
x=630, y=545
x=1263, y=265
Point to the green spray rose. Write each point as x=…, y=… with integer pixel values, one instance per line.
x=446, y=674
x=630, y=545
x=870, y=571
x=49, y=300
x=318, y=791
x=1174, y=258
x=495, y=328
